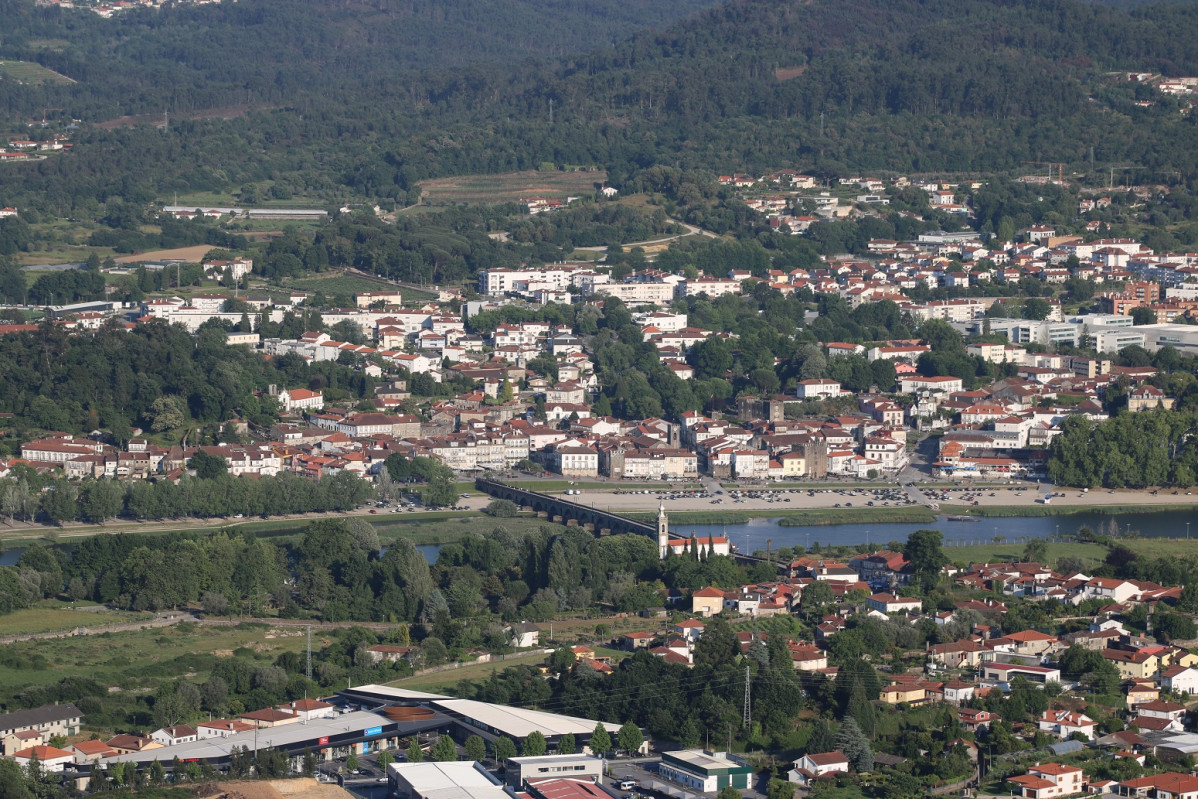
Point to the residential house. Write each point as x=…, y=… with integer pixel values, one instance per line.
x=1066, y=723
x=50, y=758
x=179, y=734
x=1048, y=780
x=811, y=767
x=1180, y=680
x=707, y=602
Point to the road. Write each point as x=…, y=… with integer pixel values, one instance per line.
x=691, y=230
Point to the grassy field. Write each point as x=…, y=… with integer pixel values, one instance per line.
x=509, y=187
x=135, y=660
x=31, y=73
x=1150, y=548
x=352, y=284
x=47, y=619
x=1003, y=511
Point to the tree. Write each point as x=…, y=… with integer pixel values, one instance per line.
x=60, y=503
x=1035, y=551
x=476, y=748
x=927, y=558
x=385, y=759
x=208, y=467
x=440, y=493
x=501, y=508
x=444, y=750
x=728, y=792
x=101, y=500
x=535, y=744
x=351, y=761
x=851, y=740
x=566, y=744
x=415, y=754
x=1036, y=309
x=629, y=738
x=166, y=413
x=1143, y=315
x=12, y=781
x=600, y=739
x=502, y=749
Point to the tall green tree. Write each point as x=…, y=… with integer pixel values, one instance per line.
x=600, y=739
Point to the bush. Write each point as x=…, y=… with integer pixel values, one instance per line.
x=501, y=508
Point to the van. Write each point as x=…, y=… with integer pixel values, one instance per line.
x=628, y=785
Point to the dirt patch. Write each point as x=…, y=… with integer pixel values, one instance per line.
x=782, y=74
x=188, y=254
x=302, y=788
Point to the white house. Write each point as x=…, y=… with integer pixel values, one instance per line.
x=51, y=758
x=811, y=767
x=819, y=389
x=1047, y=780
x=300, y=399
x=1064, y=723
x=1180, y=680
x=523, y=635
x=179, y=734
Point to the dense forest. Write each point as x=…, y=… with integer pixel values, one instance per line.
x=827, y=86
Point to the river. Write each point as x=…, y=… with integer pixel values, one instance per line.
x=755, y=534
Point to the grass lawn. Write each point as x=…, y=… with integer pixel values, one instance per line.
x=443, y=681
x=353, y=284
x=1150, y=548
x=31, y=73
x=61, y=617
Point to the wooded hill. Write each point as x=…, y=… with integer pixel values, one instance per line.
x=826, y=86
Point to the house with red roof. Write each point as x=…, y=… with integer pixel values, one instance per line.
x=1047, y=780
x=50, y=758
x=1064, y=723
x=811, y=767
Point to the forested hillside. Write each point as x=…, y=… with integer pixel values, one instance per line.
x=827, y=86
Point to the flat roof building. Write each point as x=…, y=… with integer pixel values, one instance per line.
x=519, y=770
x=704, y=770
x=460, y=779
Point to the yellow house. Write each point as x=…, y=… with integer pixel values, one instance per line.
x=707, y=602
x=1140, y=692
x=1133, y=665
x=793, y=464
x=897, y=692
x=1183, y=657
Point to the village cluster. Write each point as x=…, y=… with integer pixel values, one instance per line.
x=999, y=430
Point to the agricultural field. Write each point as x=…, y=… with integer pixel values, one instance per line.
x=60, y=616
x=509, y=187
x=30, y=73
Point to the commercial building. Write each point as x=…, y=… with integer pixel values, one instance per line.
x=704, y=770
x=449, y=780
x=519, y=770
